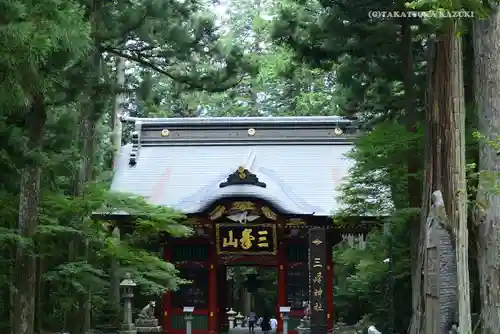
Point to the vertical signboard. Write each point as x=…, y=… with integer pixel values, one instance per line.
x=317, y=277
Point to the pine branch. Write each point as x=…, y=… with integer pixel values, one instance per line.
x=180, y=79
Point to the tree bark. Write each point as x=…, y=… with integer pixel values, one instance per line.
x=114, y=291
x=431, y=175
x=445, y=162
x=118, y=110
x=458, y=185
x=414, y=185
x=440, y=269
x=487, y=210
x=25, y=264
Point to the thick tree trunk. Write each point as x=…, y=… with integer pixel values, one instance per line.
x=114, y=290
x=440, y=269
x=430, y=175
x=457, y=191
x=414, y=184
x=90, y=114
x=25, y=264
x=445, y=166
x=487, y=218
x=118, y=110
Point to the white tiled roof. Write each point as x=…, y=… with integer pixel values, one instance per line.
x=300, y=178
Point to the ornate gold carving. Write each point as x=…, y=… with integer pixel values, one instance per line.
x=243, y=206
x=317, y=242
x=242, y=174
x=217, y=212
x=295, y=222
x=269, y=213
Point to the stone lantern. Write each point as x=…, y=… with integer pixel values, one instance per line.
x=239, y=320
x=127, y=286
x=230, y=316
x=188, y=316
x=285, y=310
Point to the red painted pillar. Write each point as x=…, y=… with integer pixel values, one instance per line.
x=281, y=282
x=329, y=287
x=167, y=314
x=212, y=292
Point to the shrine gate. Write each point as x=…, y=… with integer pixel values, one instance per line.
x=258, y=191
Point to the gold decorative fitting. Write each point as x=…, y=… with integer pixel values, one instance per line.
x=269, y=213
x=251, y=132
x=317, y=242
x=165, y=133
x=242, y=173
x=295, y=222
x=241, y=206
x=338, y=131
x=217, y=212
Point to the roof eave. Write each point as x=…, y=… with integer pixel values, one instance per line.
x=244, y=121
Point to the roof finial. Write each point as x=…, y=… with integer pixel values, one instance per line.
x=250, y=160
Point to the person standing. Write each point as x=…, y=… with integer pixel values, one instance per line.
x=266, y=324
x=274, y=323
x=252, y=319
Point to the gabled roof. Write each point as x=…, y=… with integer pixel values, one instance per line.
x=183, y=163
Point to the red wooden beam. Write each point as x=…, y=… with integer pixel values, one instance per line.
x=212, y=292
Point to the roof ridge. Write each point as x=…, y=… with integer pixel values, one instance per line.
x=259, y=120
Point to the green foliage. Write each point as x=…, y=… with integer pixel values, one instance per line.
x=367, y=58
x=58, y=52
x=40, y=42
x=363, y=277
x=378, y=181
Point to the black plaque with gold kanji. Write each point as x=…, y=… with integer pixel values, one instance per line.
x=239, y=239
x=317, y=276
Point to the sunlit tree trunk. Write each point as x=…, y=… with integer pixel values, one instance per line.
x=118, y=109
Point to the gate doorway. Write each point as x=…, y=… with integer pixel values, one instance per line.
x=271, y=262
x=250, y=289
